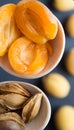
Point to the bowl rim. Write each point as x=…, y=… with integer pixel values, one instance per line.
x=44, y=95
x=35, y=76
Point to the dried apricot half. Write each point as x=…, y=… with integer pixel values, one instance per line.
x=8, y=29
x=27, y=57
x=35, y=21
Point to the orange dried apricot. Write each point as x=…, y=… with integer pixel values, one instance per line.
x=35, y=21
x=8, y=29
x=27, y=57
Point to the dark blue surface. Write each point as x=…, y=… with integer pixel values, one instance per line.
x=55, y=103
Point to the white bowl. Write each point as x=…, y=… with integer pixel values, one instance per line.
x=42, y=119
x=58, y=45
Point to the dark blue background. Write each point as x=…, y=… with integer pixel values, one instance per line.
x=55, y=102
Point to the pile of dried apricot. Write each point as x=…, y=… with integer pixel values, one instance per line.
x=26, y=29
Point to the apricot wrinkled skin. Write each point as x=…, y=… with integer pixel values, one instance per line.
x=26, y=57
x=8, y=28
x=35, y=21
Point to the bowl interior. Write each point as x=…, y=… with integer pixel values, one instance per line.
x=58, y=45
x=42, y=119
